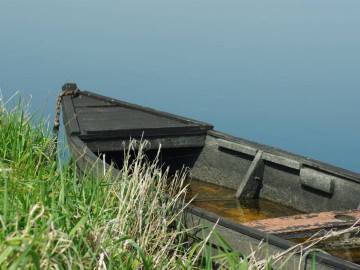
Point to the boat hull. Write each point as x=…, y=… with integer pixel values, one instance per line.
x=250, y=169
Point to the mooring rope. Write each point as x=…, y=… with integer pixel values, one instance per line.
x=67, y=92
x=64, y=93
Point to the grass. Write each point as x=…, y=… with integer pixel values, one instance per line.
x=53, y=218
x=50, y=218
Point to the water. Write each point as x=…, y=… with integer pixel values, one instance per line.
x=283, y=73
x=348, y=254
x=221, y=201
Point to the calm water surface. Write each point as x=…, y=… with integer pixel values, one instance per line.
x=283, y=73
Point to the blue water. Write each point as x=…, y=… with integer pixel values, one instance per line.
x=283, y=73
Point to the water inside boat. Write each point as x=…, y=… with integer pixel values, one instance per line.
x=221, y=201
x=348, y=254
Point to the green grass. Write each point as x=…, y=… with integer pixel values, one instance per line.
x=50, y=218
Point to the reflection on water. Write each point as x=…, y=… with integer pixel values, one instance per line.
x=221, y=201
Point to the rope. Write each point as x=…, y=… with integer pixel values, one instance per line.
x=57, y=109
x=72, y=92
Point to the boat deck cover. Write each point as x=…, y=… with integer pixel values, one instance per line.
x=91, y=116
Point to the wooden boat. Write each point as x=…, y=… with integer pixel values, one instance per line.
x=327, y=196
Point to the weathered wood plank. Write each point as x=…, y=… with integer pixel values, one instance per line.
x=237, y=147
x=305, y=225
x=100, y=109
x=147, y=110
x=119, y=144
x=281, y=160
x=149, y=133
x=253, y=178
x=85, y=101
x=317, y=180
x=101, y=117
x=126, y=117
x=116, y=120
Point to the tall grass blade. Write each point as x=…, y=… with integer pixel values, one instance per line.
x=142, y=254
x=5, y=254
x=78, y=225
x=35, y=259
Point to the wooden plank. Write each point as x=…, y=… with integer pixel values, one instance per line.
x=138, y=133
x=120, y=143
x=100, y=117
x=236, y=147
x=317, y=180
x=306, y=225
x=281, y=160
x=253, y=178
x=147, y=110
x=117, y=120
x=109, y=121
x=127, y=117
x=86, y=101
x=99, y=109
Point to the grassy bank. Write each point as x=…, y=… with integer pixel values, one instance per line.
x=50, y=218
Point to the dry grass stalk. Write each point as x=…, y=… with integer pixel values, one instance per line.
x=148, y=211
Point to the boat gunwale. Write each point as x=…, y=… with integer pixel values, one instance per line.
x=304, y=161
x=209, y=130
